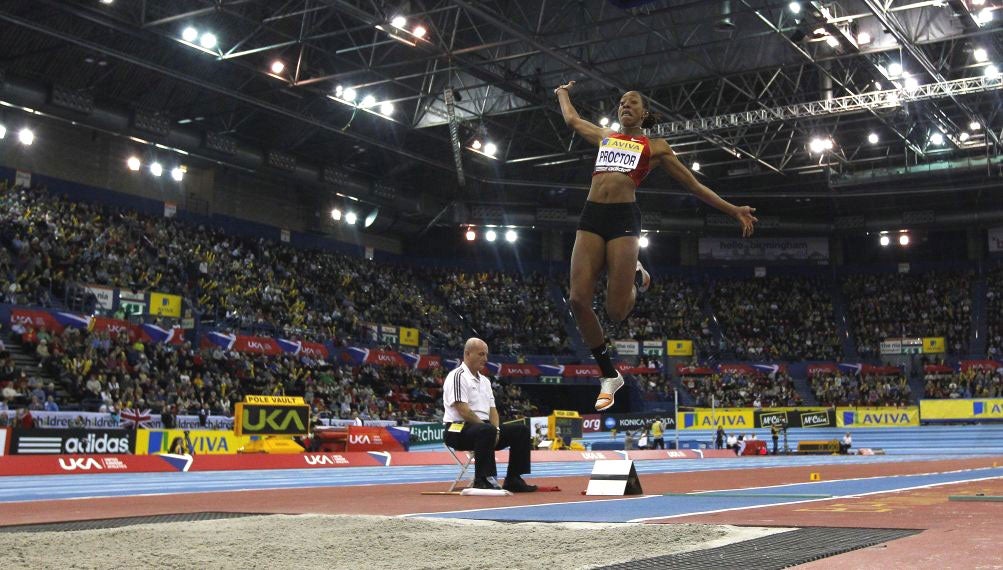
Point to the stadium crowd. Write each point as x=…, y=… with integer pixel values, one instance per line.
x=777, y=318
x=935, y=304
x=743, y=390
x=973, y=383
x=839, y=389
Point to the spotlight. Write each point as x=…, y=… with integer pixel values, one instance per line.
x=643, y=242
x=818, y=145
x=156, y=169
x=511, y=236
x=471, y=235
x=992, y=72
x=208, y=40
x=190, y=34
x=911, y=84
x=107, y=2
x=490, y=149
x=371, y=218
x=3, y=131
x=490, y=235
x=278, y=67
x=615, y=126
x=133, y=163
x=695, y=167
x=26, y=136
x=336, y=214
x=984, y=16
x=904, y=239
x=872, y=138
x=603, y=122
x=863, y=38
x=398, y=22
x=348, y=94
x=368, y=101
x=884, y=241
x=974, y=126
x=338, y=91
x=386, y=108
x=476, y=145
x=351, y=218
x=964, y=136
x=980, y=55
x=894, y=69
x=177, y=174
x=419, y=31
x=937, y=139
x=794, y=7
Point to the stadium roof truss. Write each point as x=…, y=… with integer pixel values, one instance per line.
x=744, y=86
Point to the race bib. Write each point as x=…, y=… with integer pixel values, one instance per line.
x=617, y=155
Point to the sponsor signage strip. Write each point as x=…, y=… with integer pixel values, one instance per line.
x=72, y=441
x=978, y=409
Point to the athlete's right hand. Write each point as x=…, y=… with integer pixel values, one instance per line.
x=567, y=87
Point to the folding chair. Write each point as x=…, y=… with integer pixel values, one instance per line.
x=463, y=465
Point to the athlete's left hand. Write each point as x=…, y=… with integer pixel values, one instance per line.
x=744, y=216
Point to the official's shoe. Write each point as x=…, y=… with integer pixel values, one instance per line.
x=486, y=483
x=608, y=387
x=642, y=279
x=517, y=485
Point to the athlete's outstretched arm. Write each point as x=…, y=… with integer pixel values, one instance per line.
x=670, y=162
x=591, y=132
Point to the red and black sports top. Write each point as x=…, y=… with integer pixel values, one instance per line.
x=624, y=153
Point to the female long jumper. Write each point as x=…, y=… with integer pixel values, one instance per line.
x=610, y=224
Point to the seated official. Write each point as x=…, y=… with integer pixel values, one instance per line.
x=846, y=444
x=472, y=423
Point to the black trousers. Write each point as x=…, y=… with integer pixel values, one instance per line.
x=480, y=438
x=659, y=443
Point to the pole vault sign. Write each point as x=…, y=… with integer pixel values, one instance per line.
x=271, y=415
x=614, y=477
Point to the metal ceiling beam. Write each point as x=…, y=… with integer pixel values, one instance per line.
x=891, y=23
x=888, y=98
x=508, y=28
x=208, y=86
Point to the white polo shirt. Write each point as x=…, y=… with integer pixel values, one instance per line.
x=462, y=385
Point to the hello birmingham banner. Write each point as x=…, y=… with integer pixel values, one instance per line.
x=765, y=249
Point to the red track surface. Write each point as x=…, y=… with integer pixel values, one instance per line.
x=956, y=534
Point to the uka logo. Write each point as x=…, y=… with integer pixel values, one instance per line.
x=277, y=420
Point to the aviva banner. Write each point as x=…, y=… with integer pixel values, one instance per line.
x=968, y=410
x=409, y=336
x=164, y=305
x=679, y=347
x=201, y=442
x=705, y=418
x=878, y=417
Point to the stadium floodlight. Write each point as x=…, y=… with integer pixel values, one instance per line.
x=643, y=242
x=884, y=241
x=26, y=136
x=964, y=136
x=471, y=235
x=615, y=126
x=873, y=138
x=348, y=94
x=490, y=149
x=603, y=121
x=984, y=16
x=156, y=169
x=863, y=38
x=208, y=40
x=190, y=34
x=992, y=72
x=894, y=69
x=419, y=31
x=794, y=7
x=511, y=236
x=368, y=101
x=336, y=214
x=278, y=67
x=911, y=84
x=695, y=167
x=399, y=22
x=351, y=218
x=476, y=145
x=820, y=145
x=386, y=108
x=937, y=139
x=981, y=55
x=490, y=235
x=974, y=126
x=3, y=131
x=133, y=163
x=904, y=239
x=177, y=174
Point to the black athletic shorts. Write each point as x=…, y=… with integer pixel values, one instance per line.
x=611, y=221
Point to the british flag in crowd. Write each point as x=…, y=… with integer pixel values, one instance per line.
x=135, y=418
